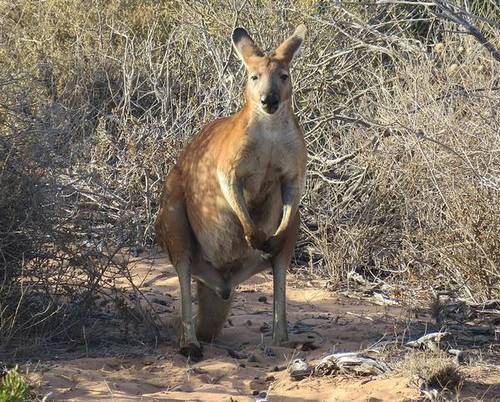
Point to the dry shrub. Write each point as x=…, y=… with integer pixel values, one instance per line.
x=97, y=100
x=442, y=163
x=431, y=370
x=404, y=172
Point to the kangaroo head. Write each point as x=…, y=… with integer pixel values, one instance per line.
x=268, y=85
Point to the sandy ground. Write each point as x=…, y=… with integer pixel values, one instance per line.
x=318, y=319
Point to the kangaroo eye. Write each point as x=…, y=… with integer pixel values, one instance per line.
x=284, y=77
x=254, y=77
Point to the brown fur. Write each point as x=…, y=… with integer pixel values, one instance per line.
x=229, y=208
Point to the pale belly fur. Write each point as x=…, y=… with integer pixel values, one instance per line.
x=220, y=234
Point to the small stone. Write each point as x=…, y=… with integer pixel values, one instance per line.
x=255, y=393
x=263, y=299
x=299, y=369
x=270, y=378
x=249, y=323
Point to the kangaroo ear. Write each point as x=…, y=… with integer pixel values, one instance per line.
x=289, y=48
x=244, y=45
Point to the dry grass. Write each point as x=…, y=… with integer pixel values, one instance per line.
x=432, y=370
x=434, y=373
x=401, y=121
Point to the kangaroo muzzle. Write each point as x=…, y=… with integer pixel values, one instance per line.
x=270, y=102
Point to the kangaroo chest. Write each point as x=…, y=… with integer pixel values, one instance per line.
x=268, y=156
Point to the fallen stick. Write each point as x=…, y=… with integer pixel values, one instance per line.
x=355, y=363
x=430, y=341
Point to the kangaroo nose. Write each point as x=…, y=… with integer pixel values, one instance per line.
x=269, y=99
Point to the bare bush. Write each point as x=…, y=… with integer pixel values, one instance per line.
x=430, y=370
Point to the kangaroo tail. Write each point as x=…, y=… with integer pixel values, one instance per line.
x=212, y=313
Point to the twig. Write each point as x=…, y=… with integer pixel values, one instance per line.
x=449, y=13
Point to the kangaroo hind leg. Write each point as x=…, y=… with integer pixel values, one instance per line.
x=175, y=236
x=281, y=262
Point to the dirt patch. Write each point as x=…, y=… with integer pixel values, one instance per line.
x=243, y=365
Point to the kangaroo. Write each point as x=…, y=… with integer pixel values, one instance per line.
x=229, y=207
